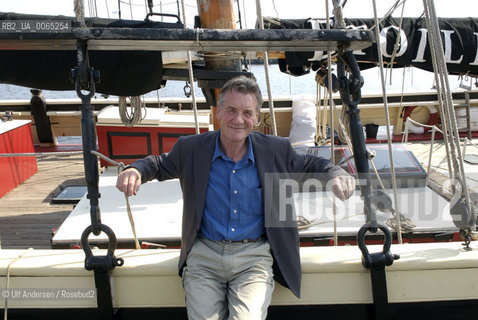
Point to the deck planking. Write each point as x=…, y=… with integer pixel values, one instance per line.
x=27, y=217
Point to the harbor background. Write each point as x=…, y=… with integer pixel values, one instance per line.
x=415, y=80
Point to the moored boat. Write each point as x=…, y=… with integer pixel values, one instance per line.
x=129, y=280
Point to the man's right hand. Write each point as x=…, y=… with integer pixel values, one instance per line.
x=129, y=181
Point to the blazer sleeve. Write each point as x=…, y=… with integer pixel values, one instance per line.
x=163, y=167
x=300, y=162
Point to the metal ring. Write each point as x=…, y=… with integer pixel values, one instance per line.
x=111, y=261
x=376, y=259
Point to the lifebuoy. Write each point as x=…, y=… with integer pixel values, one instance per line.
x=431, y=121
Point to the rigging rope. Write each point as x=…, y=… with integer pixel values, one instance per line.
x=7, y=286
x=79, y=9
x=387, y=118
x=107, y=9
x=443, y=88
x=191, y=76
x=266, y=69
x=338, y=15
x=397, y=42
x=440, y=79
x=339, y=24
x=245, y=15
x=131, y=10
x=121, y=166
x=390, y=11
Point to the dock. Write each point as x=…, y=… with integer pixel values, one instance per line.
x=27, y=216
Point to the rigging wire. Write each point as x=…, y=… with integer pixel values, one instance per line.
x=131, y=10
x=239, y=13
x=275, y=9
x=119, y=9
x=245, y=15
x=107, y=9
x=443, y=110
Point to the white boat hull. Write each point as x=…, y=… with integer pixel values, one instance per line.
x=333, y=277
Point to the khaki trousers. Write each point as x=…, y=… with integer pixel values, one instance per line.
x=228, y=280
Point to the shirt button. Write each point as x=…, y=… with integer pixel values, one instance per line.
x=233, y=230
x=235, y=211
x=235, y=191
x=233, y=171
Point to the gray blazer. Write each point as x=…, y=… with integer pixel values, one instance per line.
x=190, y=161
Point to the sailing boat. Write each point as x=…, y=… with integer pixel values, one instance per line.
x=428, y=279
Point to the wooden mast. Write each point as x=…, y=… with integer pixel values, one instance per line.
x=218, y=14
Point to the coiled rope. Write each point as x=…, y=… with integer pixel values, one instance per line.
x=135, y=114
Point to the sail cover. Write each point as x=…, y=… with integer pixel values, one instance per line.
x=124, y=73
x=459, y=38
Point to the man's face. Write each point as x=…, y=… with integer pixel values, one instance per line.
x=237, y=116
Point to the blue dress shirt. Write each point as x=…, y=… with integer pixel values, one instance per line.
x=233, y=209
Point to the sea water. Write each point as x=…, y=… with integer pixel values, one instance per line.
x=282, y=84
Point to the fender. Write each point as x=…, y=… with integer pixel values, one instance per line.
x=432, y=120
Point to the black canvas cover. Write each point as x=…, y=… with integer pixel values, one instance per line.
x=459, y=37
x=125, y=73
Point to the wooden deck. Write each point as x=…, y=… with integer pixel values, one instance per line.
x=27, y=218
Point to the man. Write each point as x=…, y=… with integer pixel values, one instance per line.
x=229, y=253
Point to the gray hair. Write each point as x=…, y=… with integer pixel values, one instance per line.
x=241, y=84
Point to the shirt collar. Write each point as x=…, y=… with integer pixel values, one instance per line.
x=218, y=152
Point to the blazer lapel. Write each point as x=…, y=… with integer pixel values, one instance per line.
x=264, y=157
x=202, y=166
